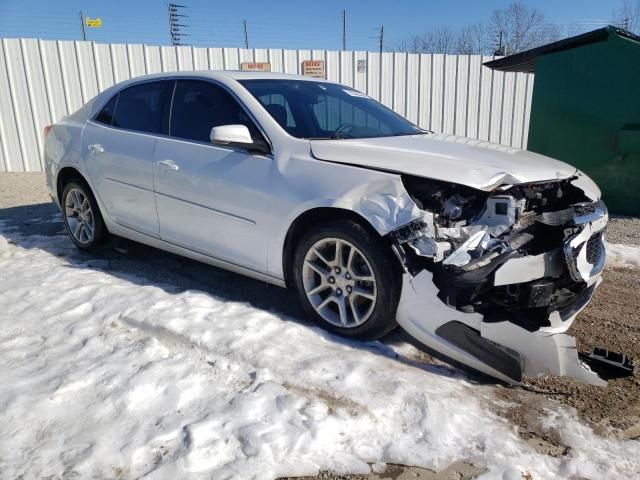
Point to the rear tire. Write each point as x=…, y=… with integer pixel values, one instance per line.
x=82, y=218
x=347, y=280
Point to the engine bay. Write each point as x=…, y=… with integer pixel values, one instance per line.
x=527, y=254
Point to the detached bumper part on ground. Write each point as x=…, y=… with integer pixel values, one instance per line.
x=494, y=281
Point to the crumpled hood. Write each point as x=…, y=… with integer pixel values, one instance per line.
x=465, y=161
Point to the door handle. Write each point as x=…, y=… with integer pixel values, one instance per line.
x=96, y=148
x=169, y=165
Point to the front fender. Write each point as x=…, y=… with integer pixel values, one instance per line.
x=378, y=197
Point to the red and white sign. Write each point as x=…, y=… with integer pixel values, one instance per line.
x=314, y=68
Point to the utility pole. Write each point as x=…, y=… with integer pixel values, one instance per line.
x=381, y=37
x=175, y=28
x=499, y=50
x=246, y=35
x=84, y=34
x=344, y=29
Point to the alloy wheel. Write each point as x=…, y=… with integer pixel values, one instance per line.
x=339, y=282
x=79, y=216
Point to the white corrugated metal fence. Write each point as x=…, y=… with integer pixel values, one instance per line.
x=41, y=81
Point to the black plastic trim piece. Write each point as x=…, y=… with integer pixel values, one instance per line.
x=609, y=365
x=498, y=357
x=578, y=304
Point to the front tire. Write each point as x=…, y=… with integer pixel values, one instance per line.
x=347, y=280
x=82, y=218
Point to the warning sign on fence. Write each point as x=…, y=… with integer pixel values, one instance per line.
x=255, y=67
x=314, y=68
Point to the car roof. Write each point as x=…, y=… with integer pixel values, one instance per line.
x=225, y=74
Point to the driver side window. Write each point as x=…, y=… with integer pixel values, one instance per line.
x=198, y=106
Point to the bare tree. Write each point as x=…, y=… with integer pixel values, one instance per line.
x=519, y=26
x=627, y=16
x=474, y=40
x=441, y=40
x=413, y=44
x=522, y=28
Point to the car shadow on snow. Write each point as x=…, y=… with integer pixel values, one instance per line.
x=40, y=226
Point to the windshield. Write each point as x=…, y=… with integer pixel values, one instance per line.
x=318, y=110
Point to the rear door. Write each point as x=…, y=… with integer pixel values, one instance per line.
x=118, y=148
x=212, y=198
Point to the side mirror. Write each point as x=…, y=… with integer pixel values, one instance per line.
x=238, y=136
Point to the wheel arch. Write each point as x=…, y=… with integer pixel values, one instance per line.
x=306, y=220
x=65, y=175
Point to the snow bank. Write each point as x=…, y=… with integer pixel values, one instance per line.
x=105, y=375
x=624, y=256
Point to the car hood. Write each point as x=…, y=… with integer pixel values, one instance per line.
x=474, y=163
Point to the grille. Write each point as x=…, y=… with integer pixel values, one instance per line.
x=583, y=209
x=594, y=249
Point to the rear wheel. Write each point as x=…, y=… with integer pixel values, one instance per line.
x=347, y=280
x=82, y=218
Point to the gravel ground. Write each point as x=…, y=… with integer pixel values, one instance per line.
x=19, y=189
x=624, y=230
x=611, y=320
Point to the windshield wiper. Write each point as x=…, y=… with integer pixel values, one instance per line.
x=335, y=136
x=405, y=134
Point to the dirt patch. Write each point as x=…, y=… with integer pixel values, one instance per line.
x=455, y=471
x=526, y=410
x=612, y=321
x=333, y=403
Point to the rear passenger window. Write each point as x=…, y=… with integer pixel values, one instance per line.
x=199, y=106
x=106, y=115
x=141, y=107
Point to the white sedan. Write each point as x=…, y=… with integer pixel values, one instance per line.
x=481, y=252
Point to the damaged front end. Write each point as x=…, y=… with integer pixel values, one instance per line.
x=493, y=279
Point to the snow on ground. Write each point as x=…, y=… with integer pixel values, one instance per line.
x=105, y=376
x=623, y=256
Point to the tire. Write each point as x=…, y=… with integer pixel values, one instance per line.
x=76, y=211
x=366, y=318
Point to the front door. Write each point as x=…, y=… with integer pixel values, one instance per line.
x=207, y=195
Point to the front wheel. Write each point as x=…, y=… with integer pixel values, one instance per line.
x=347, y=280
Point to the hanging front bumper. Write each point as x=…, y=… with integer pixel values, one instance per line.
x=503, y=346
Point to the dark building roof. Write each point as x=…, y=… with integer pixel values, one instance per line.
x=526, y=61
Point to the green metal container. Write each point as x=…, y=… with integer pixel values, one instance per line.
x=586, y=110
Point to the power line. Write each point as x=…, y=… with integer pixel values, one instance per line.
x=266, y=33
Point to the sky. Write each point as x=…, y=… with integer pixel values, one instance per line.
x=275, y=23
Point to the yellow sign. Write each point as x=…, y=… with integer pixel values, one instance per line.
x=255, y=67
x=313, y=68
x=94, y=22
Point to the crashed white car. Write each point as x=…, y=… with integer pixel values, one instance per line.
x=481, y=252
